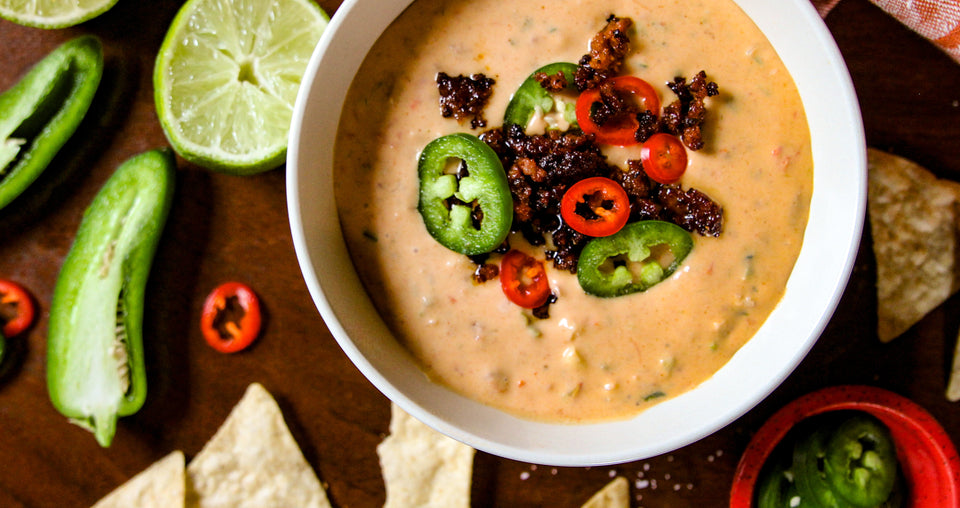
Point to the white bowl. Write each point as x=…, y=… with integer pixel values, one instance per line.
x=813, y=290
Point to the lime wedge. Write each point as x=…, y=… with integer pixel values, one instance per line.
x=52, y=13
x=226, y=79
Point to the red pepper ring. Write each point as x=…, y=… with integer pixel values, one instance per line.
x=603, y=198
x=524, y=280
x=222, y=328
x=621, y=133
x=664, y=158
x=14, y=294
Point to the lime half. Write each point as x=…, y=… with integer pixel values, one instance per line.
x=226, y=79
x=52, y=13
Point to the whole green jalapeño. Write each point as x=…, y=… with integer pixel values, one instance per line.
x=632, y=260
x=95, y=364
x=465, y=201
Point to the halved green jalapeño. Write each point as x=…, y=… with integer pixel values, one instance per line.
x=41, y=111
x=532, y=99
x=634, y=259
x=95, y=364
x=465, y=201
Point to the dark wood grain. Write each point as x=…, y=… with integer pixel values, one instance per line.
x=225, y=228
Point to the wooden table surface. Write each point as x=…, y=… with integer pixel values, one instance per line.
x=224, y=228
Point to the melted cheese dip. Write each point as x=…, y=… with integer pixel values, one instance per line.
x=593, y=359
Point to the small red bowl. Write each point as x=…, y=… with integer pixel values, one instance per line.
x=927, y=456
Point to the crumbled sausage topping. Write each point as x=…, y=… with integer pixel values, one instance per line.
x=485, y=272
x=551, y=82
x=684, y=116
x=615, y=106
x=690, y=209
x=607, y=50
x=543, y=311
x=648, y=124
x=462, y=97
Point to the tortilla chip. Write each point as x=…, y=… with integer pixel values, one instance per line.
x=615, y=494
x=253, y=461
x=161, y=485
x=422, y=467
x=916, y=240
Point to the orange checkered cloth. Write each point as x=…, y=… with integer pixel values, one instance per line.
x=937, y=20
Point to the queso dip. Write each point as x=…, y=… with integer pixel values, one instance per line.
x=593, y=358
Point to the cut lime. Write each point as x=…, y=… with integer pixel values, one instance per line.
x=52, y=13
x=226, y=79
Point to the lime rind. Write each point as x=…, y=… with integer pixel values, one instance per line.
x=51, y=14
x=227, y=77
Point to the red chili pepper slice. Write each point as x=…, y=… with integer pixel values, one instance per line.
x=15, y=295
x=664, y=158
x=524, y=280
x=621, y=132
x=595, y=206
x=226, y=327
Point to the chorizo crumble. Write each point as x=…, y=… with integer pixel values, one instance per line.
x=551, y=82
x=683, y=117
x=541, y=167
x=607, y=51
x=464, y=96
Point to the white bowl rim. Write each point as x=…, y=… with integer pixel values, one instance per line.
x=836, y=221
